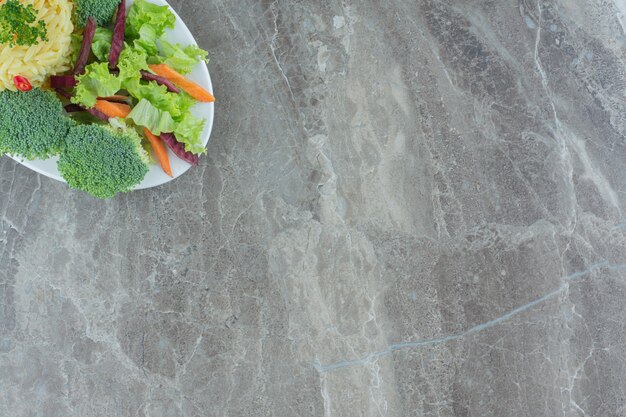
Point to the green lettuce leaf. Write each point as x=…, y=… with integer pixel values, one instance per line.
x=184, y=103
x=101, y=45
x=96, y=82
x=175, y=104
x=142, y=12
x=157, y=121
x=181, y=58
x=118, y=122
x=147, y=40
x=188, y=131
x=131, y=62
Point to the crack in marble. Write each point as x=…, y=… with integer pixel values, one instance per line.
x=544, y=77
x=473, y=330
x=273, y=48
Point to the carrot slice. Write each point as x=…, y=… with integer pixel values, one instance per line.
x=113, y=109
x=191, y=88
x=160, y=151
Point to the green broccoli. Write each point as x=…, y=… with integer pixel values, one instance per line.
x=101, y=10
x=33, y=124
x=103, y=161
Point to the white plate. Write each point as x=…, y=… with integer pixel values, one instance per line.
x=155, y=176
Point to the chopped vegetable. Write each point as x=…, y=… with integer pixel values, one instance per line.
x=32, y=124
x=175, y=104
x=132, y=61
x=148, y=76
x=115, y=98
x=73, y=108
x=101, y=10
x=76, y=41
x=146, y=115
x=189, y=132
x=98, y=114
x=142, y=12
x=179, y=149
x=22, y=83
x=159, y=151
x=63, y=81
x=181, y=59
x=113, y=109
x=96, y=82
x=101, y=45
x=16, y=24
x=63, y=93
x=103, y=161
x=193, y=89
x=147, y=40
x=118, y=35
x=85, y=47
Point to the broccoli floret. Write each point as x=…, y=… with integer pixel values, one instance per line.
x=103, y=161
x=101, y=10
x=33, y=124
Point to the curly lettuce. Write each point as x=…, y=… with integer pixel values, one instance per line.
x=189, y=131
x=177, y=105
x=147, y=40
x=146, y=115
x=96, y=82
x=101, y=45
x=130, y=64
x=182, y=58
x=142, y=12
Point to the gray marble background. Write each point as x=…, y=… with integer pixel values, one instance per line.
x=408, y=208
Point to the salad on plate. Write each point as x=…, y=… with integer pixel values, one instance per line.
x=98, y=86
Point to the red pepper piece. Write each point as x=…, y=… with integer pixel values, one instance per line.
x=22, y=83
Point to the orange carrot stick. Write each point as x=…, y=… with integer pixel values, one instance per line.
x=160, y=151
x=193, y=89
x=113, y=109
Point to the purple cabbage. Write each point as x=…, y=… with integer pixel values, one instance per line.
x=63, y=81
x=73, y=108
x=179, y=148
x=148, y=76
x=85, y=47
x=117, y=44
x=97, y=113
x=63, y=93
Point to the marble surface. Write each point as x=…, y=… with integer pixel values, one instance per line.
x=408, y=208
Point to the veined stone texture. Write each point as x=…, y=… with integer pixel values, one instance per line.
x=408, y=208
